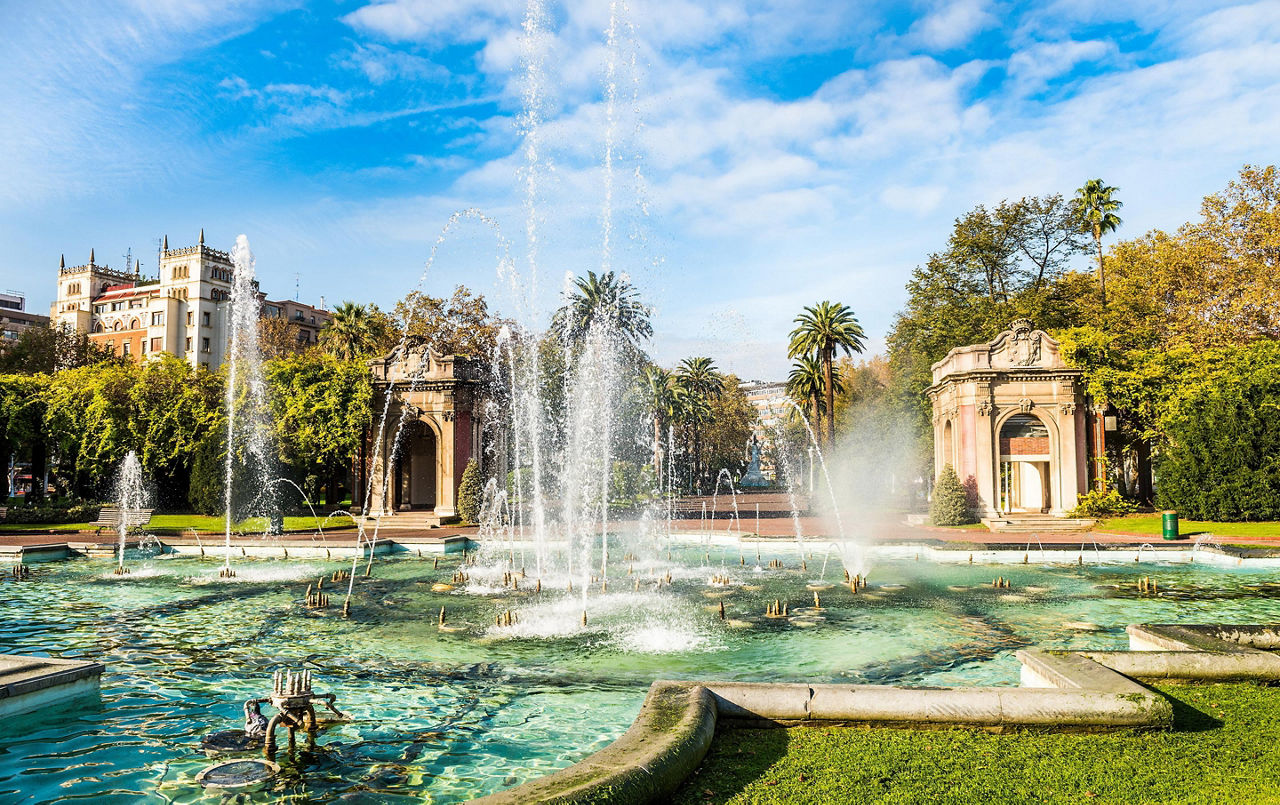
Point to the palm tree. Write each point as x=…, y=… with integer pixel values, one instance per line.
x=806, y=385
x=701, y=378
x=692, y=412
x=820, y=331
x=351, y=331
x=664, y=397
x=606, y=298
x=1096, y=210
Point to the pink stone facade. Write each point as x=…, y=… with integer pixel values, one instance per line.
x=1010, y=417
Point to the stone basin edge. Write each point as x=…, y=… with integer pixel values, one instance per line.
x=1060, y=690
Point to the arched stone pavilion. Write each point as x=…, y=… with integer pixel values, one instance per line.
x=1009, y=415
x=437, y=397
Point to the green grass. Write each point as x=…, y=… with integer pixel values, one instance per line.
x=1150, y=524
x=177, y=524
x=1224, y=748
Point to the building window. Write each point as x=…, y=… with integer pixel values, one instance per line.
x=133, y=324
x=190, y=318
x=204, y=345
x=135, y=303
x=97, y=326
x=157, y=319
x=157, y=344
x=204, y=319
x=118, y=327
x=143, y=347
x=188, y=346
x=117, y=305
x=124, y=348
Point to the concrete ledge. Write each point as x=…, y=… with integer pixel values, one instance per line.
x=33, y=683
x=662, y=747
x=1060, y=690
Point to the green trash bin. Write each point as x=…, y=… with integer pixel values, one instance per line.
x=1169, y=521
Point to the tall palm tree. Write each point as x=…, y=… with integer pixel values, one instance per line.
x=693, y=411
x=820, y=331
x=351, y=331
x=664, y=397
x=1096, y=210
x=806, y=385
x=603, y=297
x=700, y=377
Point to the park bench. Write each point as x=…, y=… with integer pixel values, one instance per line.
x=109, y=517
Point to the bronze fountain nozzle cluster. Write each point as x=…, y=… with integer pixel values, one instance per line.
x=775, y=564
x=507, y=618
x=719, y=580
x=121, y=570
x=778, y=609
x=294, y=698
x=226, y=572
x=339, y=575
x=20, y=572
x=1001, y=583
x=1148, y=586
x=316, y=600
x=460, y=578
x=856, y=582
x=512, y=579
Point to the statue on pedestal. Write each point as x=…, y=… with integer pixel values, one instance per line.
x=752, y=478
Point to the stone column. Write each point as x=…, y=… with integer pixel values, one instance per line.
x=446, y=483
x=1069, y=459
x=986, y=452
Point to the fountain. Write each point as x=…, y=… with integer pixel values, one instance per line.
x=131, y=498
x=248, y=442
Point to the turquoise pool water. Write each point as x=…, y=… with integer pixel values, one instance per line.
x=442, y=716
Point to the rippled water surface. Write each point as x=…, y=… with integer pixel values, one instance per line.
x=442, y=716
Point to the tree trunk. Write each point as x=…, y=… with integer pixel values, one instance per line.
x=657, y=448
x=831, y=396
x=1144, y=472
x=1102, y=272
x=39, y=462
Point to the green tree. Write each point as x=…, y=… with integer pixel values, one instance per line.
x=663, y=396
x=357, y=331
x=1096, y=211
x=605, y=298
x=459, y=325
x=91, y=413
x=732, y=421
x=806, y=385
x=950, y=503
x=822, y=330
x=470, y=494
x=45, y=350
x=173, y=407
x=321, y=407
x=699, y=378
x=22, y=424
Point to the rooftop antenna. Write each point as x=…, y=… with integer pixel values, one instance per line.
x=297, y=287
x=128, y=260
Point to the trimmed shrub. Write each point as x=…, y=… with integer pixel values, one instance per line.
x=470, y=494
x=77, y=513
x=950, y=504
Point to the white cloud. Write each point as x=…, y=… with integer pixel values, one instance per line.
x=919, y=200
x=952, y=25
x=1031, y=69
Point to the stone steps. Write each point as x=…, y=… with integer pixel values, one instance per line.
x=1042, y=524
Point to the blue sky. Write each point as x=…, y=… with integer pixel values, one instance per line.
x=767, y=154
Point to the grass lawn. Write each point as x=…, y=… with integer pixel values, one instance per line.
x=1225, y=748
x=1150, y=524
x=176, y=524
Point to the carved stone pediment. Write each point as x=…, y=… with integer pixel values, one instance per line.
x=1023, y=346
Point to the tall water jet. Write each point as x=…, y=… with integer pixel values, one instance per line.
x=131, y=497
x=248, y=412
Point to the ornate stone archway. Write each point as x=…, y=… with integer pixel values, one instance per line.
x=977, y=389
x=413, y=462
